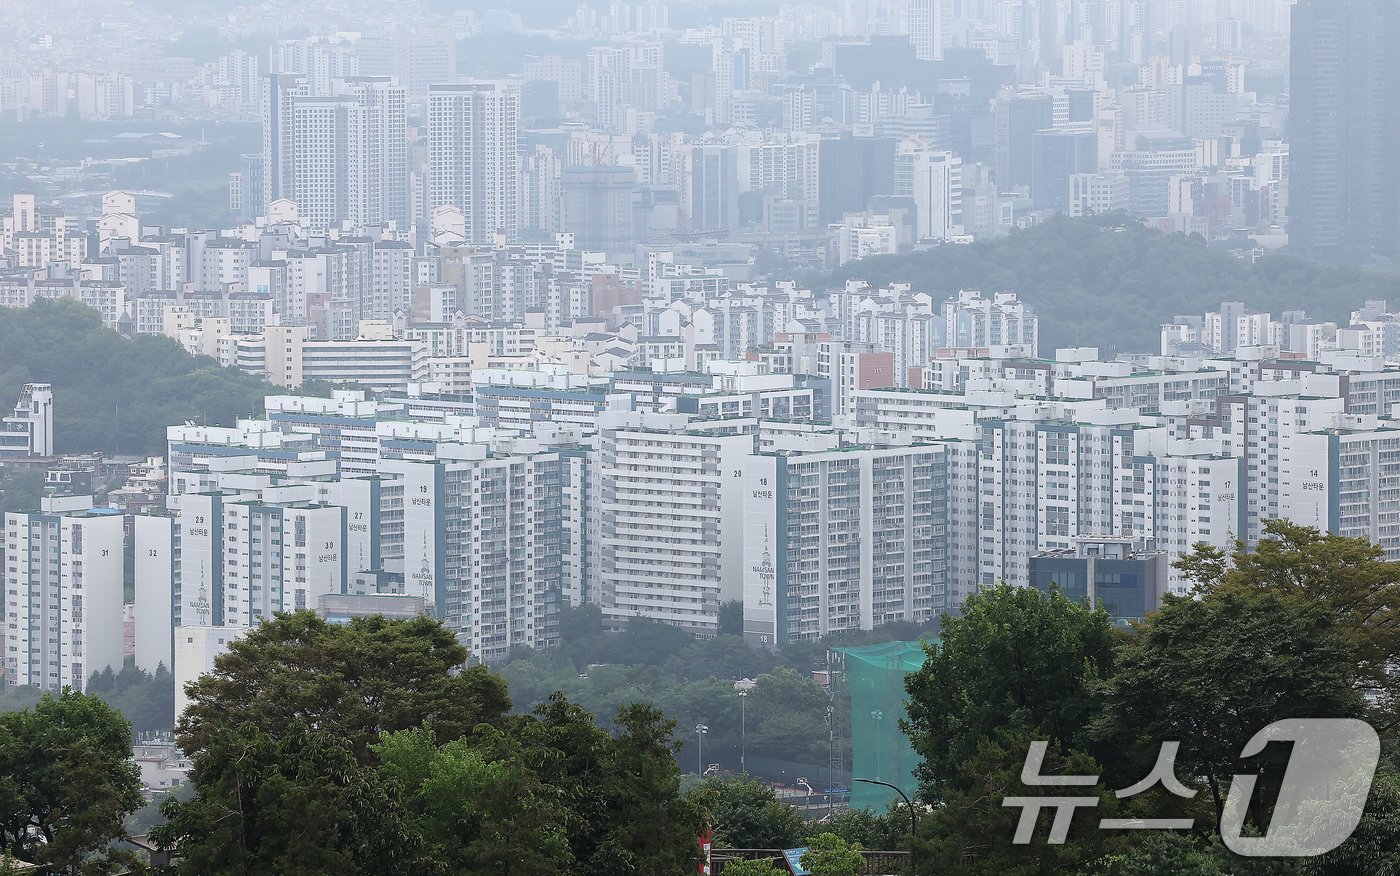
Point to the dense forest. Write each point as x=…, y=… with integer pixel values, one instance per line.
x=111, y=393
x=1110, y=282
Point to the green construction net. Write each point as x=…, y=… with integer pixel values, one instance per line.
x=879, y=750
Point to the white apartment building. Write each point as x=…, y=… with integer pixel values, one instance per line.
x=1345, y=480
x=473, y=163
x=971, y=320
x=385, y=364
x=843, y=539
x=483, y=533
x=672, y=531
x=63, y=593
x=29, y=432
x=242, y=560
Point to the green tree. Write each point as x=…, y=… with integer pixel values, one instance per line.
x=656, y=830
x=1017, y=660
x=1154, y=854
x=477, y=806
x=873, y=830
x=1349, y=576
x=116, y=394
x=786, y=715
x=731, y=618
x=147, y=700
x=1212, y=672
x=829, y=855
x=299, y=802
x=66, y=782
x=1374, y=847
x=612, y=785
x=1129, y=276
x=19, y=489
x=971, y=831
x=354, y=681
x=282, y=736
x=747, y=814
x=648, y=641
x=24, y=696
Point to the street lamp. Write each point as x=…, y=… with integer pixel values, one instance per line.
x=700, y=731
x=913, y=816
x=743, y=731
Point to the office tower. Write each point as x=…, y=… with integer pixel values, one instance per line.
x=937, y=195
x=64, y=583
x=851, y=171
x=924, y=20
x=1056, y=157
x=1019, y=117
x=1344, y=186
x=279, y=94
x=713, y=186
x=598, y=208
x=843, y=539
x=473, y=163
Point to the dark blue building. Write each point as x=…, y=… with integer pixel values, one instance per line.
x=1123, y=576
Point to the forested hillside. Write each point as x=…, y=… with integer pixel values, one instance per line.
x=110, y=393
x=1111, y=282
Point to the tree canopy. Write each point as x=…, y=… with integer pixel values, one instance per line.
x=1016, y=660
x=1299, y=627
x=747, y=814
x=66, y=782
x=372, y=748
x=1110, y=280
x=111, y=393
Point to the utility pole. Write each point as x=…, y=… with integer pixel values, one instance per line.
x=700, y=731
x=743, y=732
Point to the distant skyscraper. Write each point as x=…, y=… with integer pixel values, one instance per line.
x=925, y=23
x=1056, y=156
x=598, y=207
x=852, y=171
x=279, y=90
x=385, y=105
x=1344, y=182
x=1019, y=117
x=713, y=177
x=342, y=157
x=473, y=163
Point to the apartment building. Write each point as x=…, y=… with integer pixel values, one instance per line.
x=63, y=593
